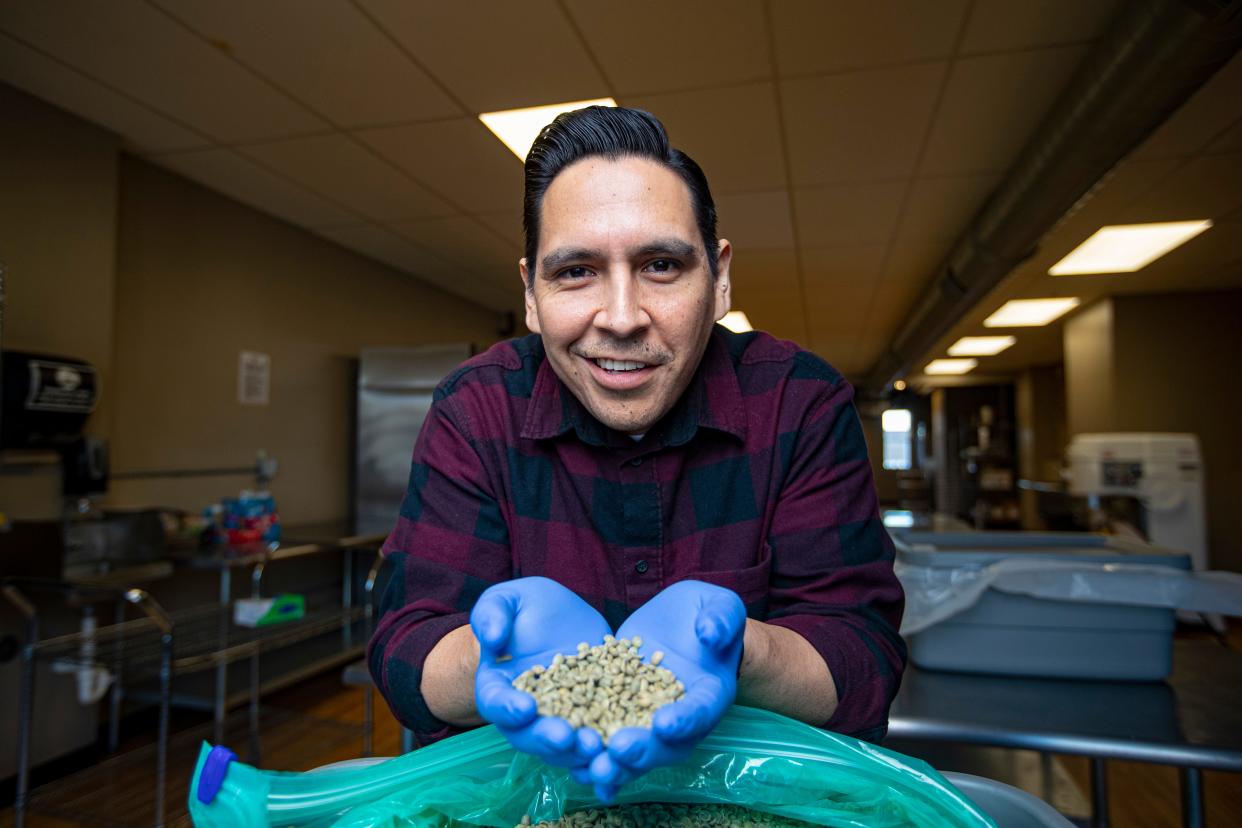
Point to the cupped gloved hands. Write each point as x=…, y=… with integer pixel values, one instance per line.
x=699, y=628
x=519, y=624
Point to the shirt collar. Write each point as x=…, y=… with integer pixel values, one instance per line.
x=712, y=400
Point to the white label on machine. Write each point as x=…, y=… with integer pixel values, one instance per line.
x=254, y=376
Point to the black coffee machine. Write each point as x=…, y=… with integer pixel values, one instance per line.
x=45, y=401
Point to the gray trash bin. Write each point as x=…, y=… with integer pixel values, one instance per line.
x=1011, y=807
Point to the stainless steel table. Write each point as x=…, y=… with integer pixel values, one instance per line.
x=1192, y=720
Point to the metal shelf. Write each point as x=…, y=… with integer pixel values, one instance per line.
x=202, y=638
x=278, y=669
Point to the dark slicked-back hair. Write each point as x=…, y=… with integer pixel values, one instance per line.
x=613, y=133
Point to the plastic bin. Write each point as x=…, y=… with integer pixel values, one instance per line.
x=1009, y=634
x=1011, y=807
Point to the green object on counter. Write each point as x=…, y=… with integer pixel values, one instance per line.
x=260, y=612
x=761, y=760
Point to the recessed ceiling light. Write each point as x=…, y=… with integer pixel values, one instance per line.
x=981, y=345
x=899, y=385
x=1025, y=313
x=1125, y=248
x=519, y=128
x=736, y=321
x=950, y=366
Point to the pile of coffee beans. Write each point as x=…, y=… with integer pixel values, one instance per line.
x=669, y=815
x=605, y=687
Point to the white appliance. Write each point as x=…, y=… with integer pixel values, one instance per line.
x=1162, y=472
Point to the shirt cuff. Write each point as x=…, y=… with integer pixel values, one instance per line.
x=401, y=683
x=863, y=677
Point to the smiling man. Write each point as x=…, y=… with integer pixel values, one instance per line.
x=706, y=490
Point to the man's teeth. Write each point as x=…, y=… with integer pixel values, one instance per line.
x=619, y=365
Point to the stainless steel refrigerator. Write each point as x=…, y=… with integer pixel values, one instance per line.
x=395, y=386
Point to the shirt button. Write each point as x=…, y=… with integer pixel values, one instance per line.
x=637, y=461
x=640, y=567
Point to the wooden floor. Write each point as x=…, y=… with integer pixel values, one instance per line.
x=319, y=722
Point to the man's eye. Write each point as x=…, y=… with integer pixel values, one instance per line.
x=576, y=272
x=664, y=266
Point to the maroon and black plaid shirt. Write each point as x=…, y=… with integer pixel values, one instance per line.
x=756, y=480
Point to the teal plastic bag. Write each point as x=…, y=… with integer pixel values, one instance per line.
x=754, y=758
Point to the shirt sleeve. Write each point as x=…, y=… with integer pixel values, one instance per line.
x=832, y=563
x=450, y=543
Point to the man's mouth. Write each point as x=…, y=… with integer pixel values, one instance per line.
x=619, y=366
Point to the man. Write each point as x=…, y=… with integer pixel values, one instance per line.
x=708, y=490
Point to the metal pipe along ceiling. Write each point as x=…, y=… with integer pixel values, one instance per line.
x=1154, y=57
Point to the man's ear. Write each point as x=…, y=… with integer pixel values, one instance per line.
x=528, y=292
x=723, y=288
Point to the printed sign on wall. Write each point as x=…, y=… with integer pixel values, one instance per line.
x=254, y=378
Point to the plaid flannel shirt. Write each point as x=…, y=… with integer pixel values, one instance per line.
x=756, y=480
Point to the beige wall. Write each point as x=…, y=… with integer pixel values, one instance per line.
x=160, y=283
x=1039, y=398
x=58, y=251
x=201, y=278
x=1172, y=356
x=1090, y=373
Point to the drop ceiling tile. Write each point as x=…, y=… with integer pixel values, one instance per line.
x=464, y=242
x=991, y=107
x=858, y=126
x=386, y=246
x=850, y=214
x=502, y=56
x=508, y=225
x=1209, y=186
x=339, y=168
x=139, y=50
x=1231, y=141
x=334, y=59
x=915, y=260
x=459, y=159
x=1208, y=113
x=891, y=306
x=851, y=267
x=755, y=220
x=240, y=178
x=1003, y=25
x=142, y=128
x=813, y=36
x=759, y=270
x=941, y=208
x=777, y=310
x=729, y=132
x=712, y=42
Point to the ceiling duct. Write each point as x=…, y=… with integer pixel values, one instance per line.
x=1154, y=57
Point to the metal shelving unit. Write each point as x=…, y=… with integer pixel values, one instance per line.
x=182, y=658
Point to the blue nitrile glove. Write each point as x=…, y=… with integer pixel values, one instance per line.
x=519, y=624
x=699, y=628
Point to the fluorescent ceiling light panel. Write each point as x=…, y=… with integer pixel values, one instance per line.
x=950, y=366
x=980, y=345
x=1027, y=313
x=1125, y=248
x=518, y=128
x=736, y=321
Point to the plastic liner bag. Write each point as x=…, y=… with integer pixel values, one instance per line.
x=937, y=593
x=756, y=759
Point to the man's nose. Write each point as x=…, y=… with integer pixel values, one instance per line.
x=622, y=313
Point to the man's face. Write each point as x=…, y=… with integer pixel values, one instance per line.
x=623, y=296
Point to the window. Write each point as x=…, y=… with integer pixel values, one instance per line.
x=897, y=446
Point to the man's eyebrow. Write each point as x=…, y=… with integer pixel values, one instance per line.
x=671, y=246
x=564, y=255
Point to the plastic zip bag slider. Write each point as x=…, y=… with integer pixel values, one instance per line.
x=214, y=771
